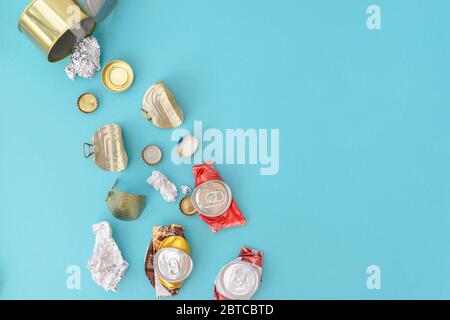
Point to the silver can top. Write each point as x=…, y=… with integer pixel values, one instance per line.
x=212, y=198
x=173, y=265
x=238, y=280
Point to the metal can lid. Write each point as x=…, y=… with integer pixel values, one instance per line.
x=172, y=265
x=212, y=198
x=238, y=280
x=87, y=103
x=187, y=207
x=152, y=155
x=117, y=76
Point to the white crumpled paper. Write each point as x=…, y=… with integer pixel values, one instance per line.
x=161, y=183
x=106, y=263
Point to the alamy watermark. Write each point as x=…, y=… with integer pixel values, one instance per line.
x=374, y=18
x=73, y=281
x=233, y=146
x=374, y=279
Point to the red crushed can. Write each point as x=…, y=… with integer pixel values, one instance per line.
x=213, y=200
x=241, y=278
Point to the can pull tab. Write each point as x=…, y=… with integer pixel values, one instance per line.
x=89, y=152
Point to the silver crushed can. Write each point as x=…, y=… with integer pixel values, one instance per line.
x=172, y=266
x=238, y=280
x=212, y=198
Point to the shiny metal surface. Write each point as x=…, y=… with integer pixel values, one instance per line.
x=107, y=148
x=117, y=76
x=212, y=198
x=126, y=206
x=98, y=9
x=55, y=26
x=172, y=265
x=87, y=103
x=161, y=108
x=238, y=280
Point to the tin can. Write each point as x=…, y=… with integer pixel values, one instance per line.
x=241, y=278
x=168, y=260
x=172, y=266
x=107, y=148
x=55, y=26
x=212, y=198
x=161, y=108
x=98, y=9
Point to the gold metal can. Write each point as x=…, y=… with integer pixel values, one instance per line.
x=55, y=26
x=107, y=148
x=161, y=108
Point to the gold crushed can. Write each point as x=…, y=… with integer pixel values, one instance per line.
x=107, y=148
x=55, y=26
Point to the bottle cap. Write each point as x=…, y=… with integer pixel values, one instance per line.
x=87, y=103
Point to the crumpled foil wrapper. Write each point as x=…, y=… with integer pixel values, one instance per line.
x=186, y=189
x=161, y=183
x=106, y=263
x=85, y=61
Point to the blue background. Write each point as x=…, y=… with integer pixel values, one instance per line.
x=364, y=164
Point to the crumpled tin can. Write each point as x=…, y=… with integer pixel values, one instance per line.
x=55, y=26
x=241, y=278
x=98, y=9
x=213, y=199
x=168, y=262
x=125, y=206
x=107, y=148
x=161, y=108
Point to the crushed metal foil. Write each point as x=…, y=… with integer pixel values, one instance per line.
x=106, y=263
x=85, y=61
x=161, y=183
x=186, y=189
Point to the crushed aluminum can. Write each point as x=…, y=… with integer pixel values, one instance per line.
x=107, y=148
x=241, y=278
x=161, y=108
x=168, y=261
x=213, y=199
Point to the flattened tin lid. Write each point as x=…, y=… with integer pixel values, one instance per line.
x=238, y=280
x=87, y=103
x=212, y=198
x=152, y=155
x=172, y=265
x=187, y=207
x=117, y=76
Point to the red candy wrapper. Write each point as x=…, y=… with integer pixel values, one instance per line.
x=233, y=216
x=247, y=255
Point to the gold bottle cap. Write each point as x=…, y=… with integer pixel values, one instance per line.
x=187, y=207
x=87, y=103
x=117, y=76
x=152, y=155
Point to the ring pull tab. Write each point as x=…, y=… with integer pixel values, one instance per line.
x=90, y=150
